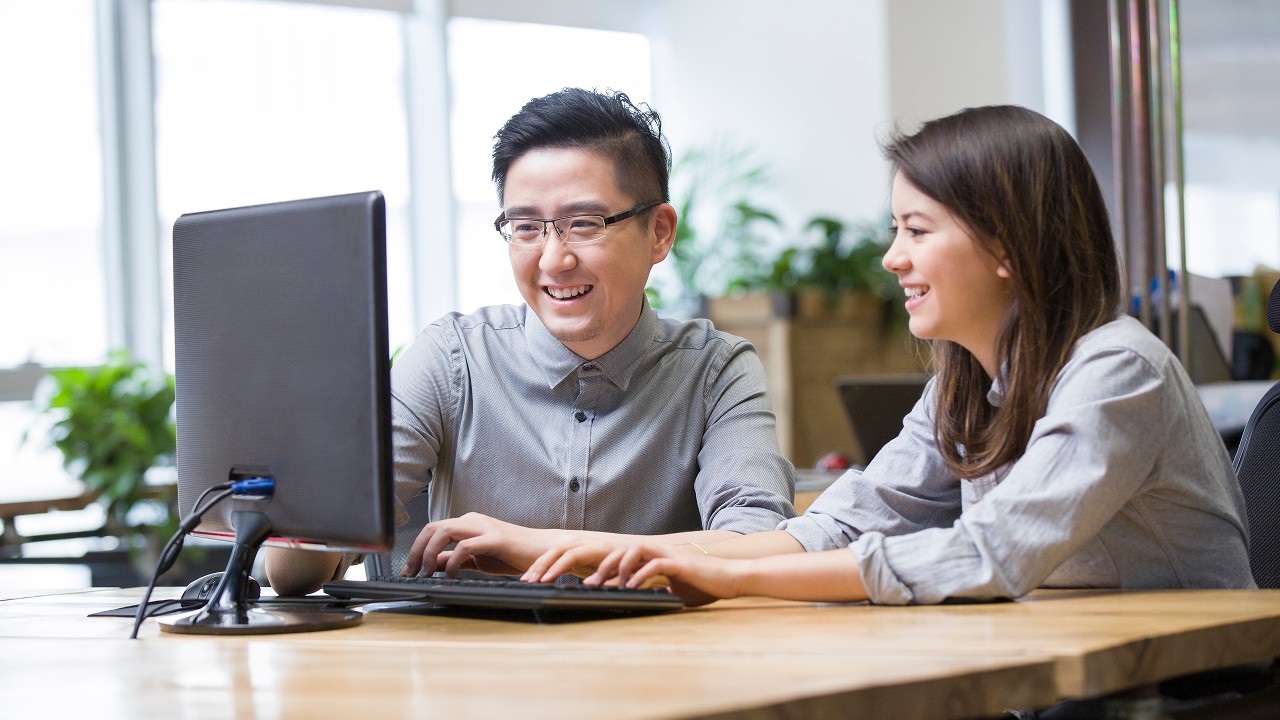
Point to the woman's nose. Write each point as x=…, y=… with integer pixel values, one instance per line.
x=895, y=259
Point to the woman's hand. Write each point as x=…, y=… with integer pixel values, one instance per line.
x=581, y=557
x=697, y=579
x=685, y=569
x=771, y=564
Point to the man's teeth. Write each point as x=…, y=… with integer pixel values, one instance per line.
x=569, y=292
x=914, y=292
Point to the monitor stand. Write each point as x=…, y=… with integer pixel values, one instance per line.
x=228, y=611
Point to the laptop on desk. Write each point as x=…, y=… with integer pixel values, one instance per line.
x=875, y=406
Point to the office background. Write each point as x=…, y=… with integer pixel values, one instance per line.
x=121, y=115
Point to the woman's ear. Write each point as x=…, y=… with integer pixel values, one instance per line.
x=1002, y=268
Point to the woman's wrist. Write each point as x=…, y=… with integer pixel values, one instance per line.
x=698, y=548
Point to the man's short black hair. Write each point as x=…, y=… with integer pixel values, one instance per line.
x=605, y=123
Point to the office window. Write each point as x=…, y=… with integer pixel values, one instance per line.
x=494, y=68
x=260, y=102
x=52, y=285
x=1231, y=139
x=53, y=305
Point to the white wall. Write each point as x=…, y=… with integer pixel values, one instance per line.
x=817, y=84
x=945, y=56
x=804, y=83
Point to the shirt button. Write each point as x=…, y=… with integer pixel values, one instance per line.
x=580, y=416
x=574, y=485
x=589, y=368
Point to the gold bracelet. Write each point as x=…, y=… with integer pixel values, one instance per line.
x=704, y=550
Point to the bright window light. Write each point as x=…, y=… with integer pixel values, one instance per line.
x=260, y=102
x=52, y=285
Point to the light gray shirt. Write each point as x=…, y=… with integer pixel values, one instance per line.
x=1124, y=484
x=670, y=431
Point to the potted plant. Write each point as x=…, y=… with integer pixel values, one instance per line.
x=844, y=268
x=113, y=423
x=722, y=239
x=827, y=308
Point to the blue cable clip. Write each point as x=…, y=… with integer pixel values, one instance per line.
x=260, y=486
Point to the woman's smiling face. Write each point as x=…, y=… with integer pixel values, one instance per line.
x=955, y=289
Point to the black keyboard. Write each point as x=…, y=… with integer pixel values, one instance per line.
x=507, y=594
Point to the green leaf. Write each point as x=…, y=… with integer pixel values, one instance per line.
x=111, y=423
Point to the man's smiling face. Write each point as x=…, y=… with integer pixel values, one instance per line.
x=589, y=296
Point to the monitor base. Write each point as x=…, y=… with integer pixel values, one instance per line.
x=228, y=612
x=258, y=621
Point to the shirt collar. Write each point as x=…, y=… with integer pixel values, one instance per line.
x=995, y=395
x=558, y=362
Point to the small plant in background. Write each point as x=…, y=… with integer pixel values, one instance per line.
x=112, y=423
x=727, y=244
x=843, y=258
x=723, y=238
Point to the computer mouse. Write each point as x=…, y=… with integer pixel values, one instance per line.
x=201, y=589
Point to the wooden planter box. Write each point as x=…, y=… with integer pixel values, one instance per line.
x=805, y=342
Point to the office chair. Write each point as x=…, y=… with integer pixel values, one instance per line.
x=391, y=563
x=1251, y=691
x=1257, y=464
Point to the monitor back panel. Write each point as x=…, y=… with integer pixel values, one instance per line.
x=281, y=364
x=876, y=405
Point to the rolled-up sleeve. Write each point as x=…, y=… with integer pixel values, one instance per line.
x=1076, y=509
x=1086, y=458
x=906, y=488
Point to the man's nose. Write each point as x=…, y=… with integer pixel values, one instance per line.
x=557, y=255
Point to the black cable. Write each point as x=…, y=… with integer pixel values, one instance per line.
x=169, y=554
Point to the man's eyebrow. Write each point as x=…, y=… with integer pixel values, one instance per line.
x=580, y=207
x=583, y=206
x=519, y=211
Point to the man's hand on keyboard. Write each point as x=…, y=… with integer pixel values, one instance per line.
x=479, y=543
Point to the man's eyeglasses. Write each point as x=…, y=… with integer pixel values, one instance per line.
x=573, y=229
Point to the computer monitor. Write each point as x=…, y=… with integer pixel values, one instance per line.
x=282, y=371
x=875, y=406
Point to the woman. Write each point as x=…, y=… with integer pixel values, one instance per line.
x=1059, y=443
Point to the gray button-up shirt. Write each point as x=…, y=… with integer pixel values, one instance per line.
x=1124, y=484
x=670, y=431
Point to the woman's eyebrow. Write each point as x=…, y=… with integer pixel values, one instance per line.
x=914, y=213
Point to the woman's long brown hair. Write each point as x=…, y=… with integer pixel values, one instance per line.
x=1024, y=190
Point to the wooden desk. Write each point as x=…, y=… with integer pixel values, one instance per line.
x=743, y=658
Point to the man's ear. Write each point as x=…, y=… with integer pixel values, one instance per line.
x=664, y=232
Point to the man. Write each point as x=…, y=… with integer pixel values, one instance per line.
x=580, y=411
